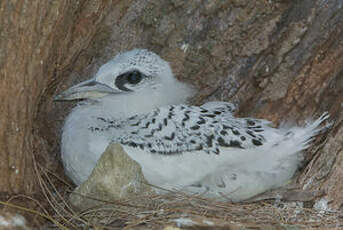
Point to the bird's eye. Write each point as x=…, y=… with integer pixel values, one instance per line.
x=134, y=77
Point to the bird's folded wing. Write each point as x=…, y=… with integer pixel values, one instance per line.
x=181, y=128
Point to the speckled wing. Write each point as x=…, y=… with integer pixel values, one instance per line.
x=181, y=128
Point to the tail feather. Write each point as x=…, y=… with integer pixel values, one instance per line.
x=303, y=136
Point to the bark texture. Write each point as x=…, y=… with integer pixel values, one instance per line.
x=39, y=42
x=278, y=60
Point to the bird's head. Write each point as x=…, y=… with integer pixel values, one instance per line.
x=138, y=74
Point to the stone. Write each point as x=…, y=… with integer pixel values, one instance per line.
x=116, y=176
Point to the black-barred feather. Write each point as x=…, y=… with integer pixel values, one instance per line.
x=189, y=128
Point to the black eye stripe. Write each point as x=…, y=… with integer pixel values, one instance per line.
x=131, y=77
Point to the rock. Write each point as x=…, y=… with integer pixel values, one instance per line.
x=116, y=176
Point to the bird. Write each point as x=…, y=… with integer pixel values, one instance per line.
x=134, y=100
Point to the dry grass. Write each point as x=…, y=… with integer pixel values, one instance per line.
x=156, y=211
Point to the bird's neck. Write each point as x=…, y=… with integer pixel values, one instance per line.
x=117, y=107
x=110, y=109
x=126, y=105
x=87, y=114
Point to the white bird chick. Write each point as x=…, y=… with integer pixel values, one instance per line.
x=135, y=100
x=133, y=82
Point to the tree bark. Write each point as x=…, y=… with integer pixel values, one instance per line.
x=39, y=41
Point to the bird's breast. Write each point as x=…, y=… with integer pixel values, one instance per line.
x=81, y=147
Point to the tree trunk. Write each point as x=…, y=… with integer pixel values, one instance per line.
x=39, y=41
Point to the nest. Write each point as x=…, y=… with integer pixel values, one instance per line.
x=173, y=209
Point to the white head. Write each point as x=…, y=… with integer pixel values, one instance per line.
x=139, y=77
